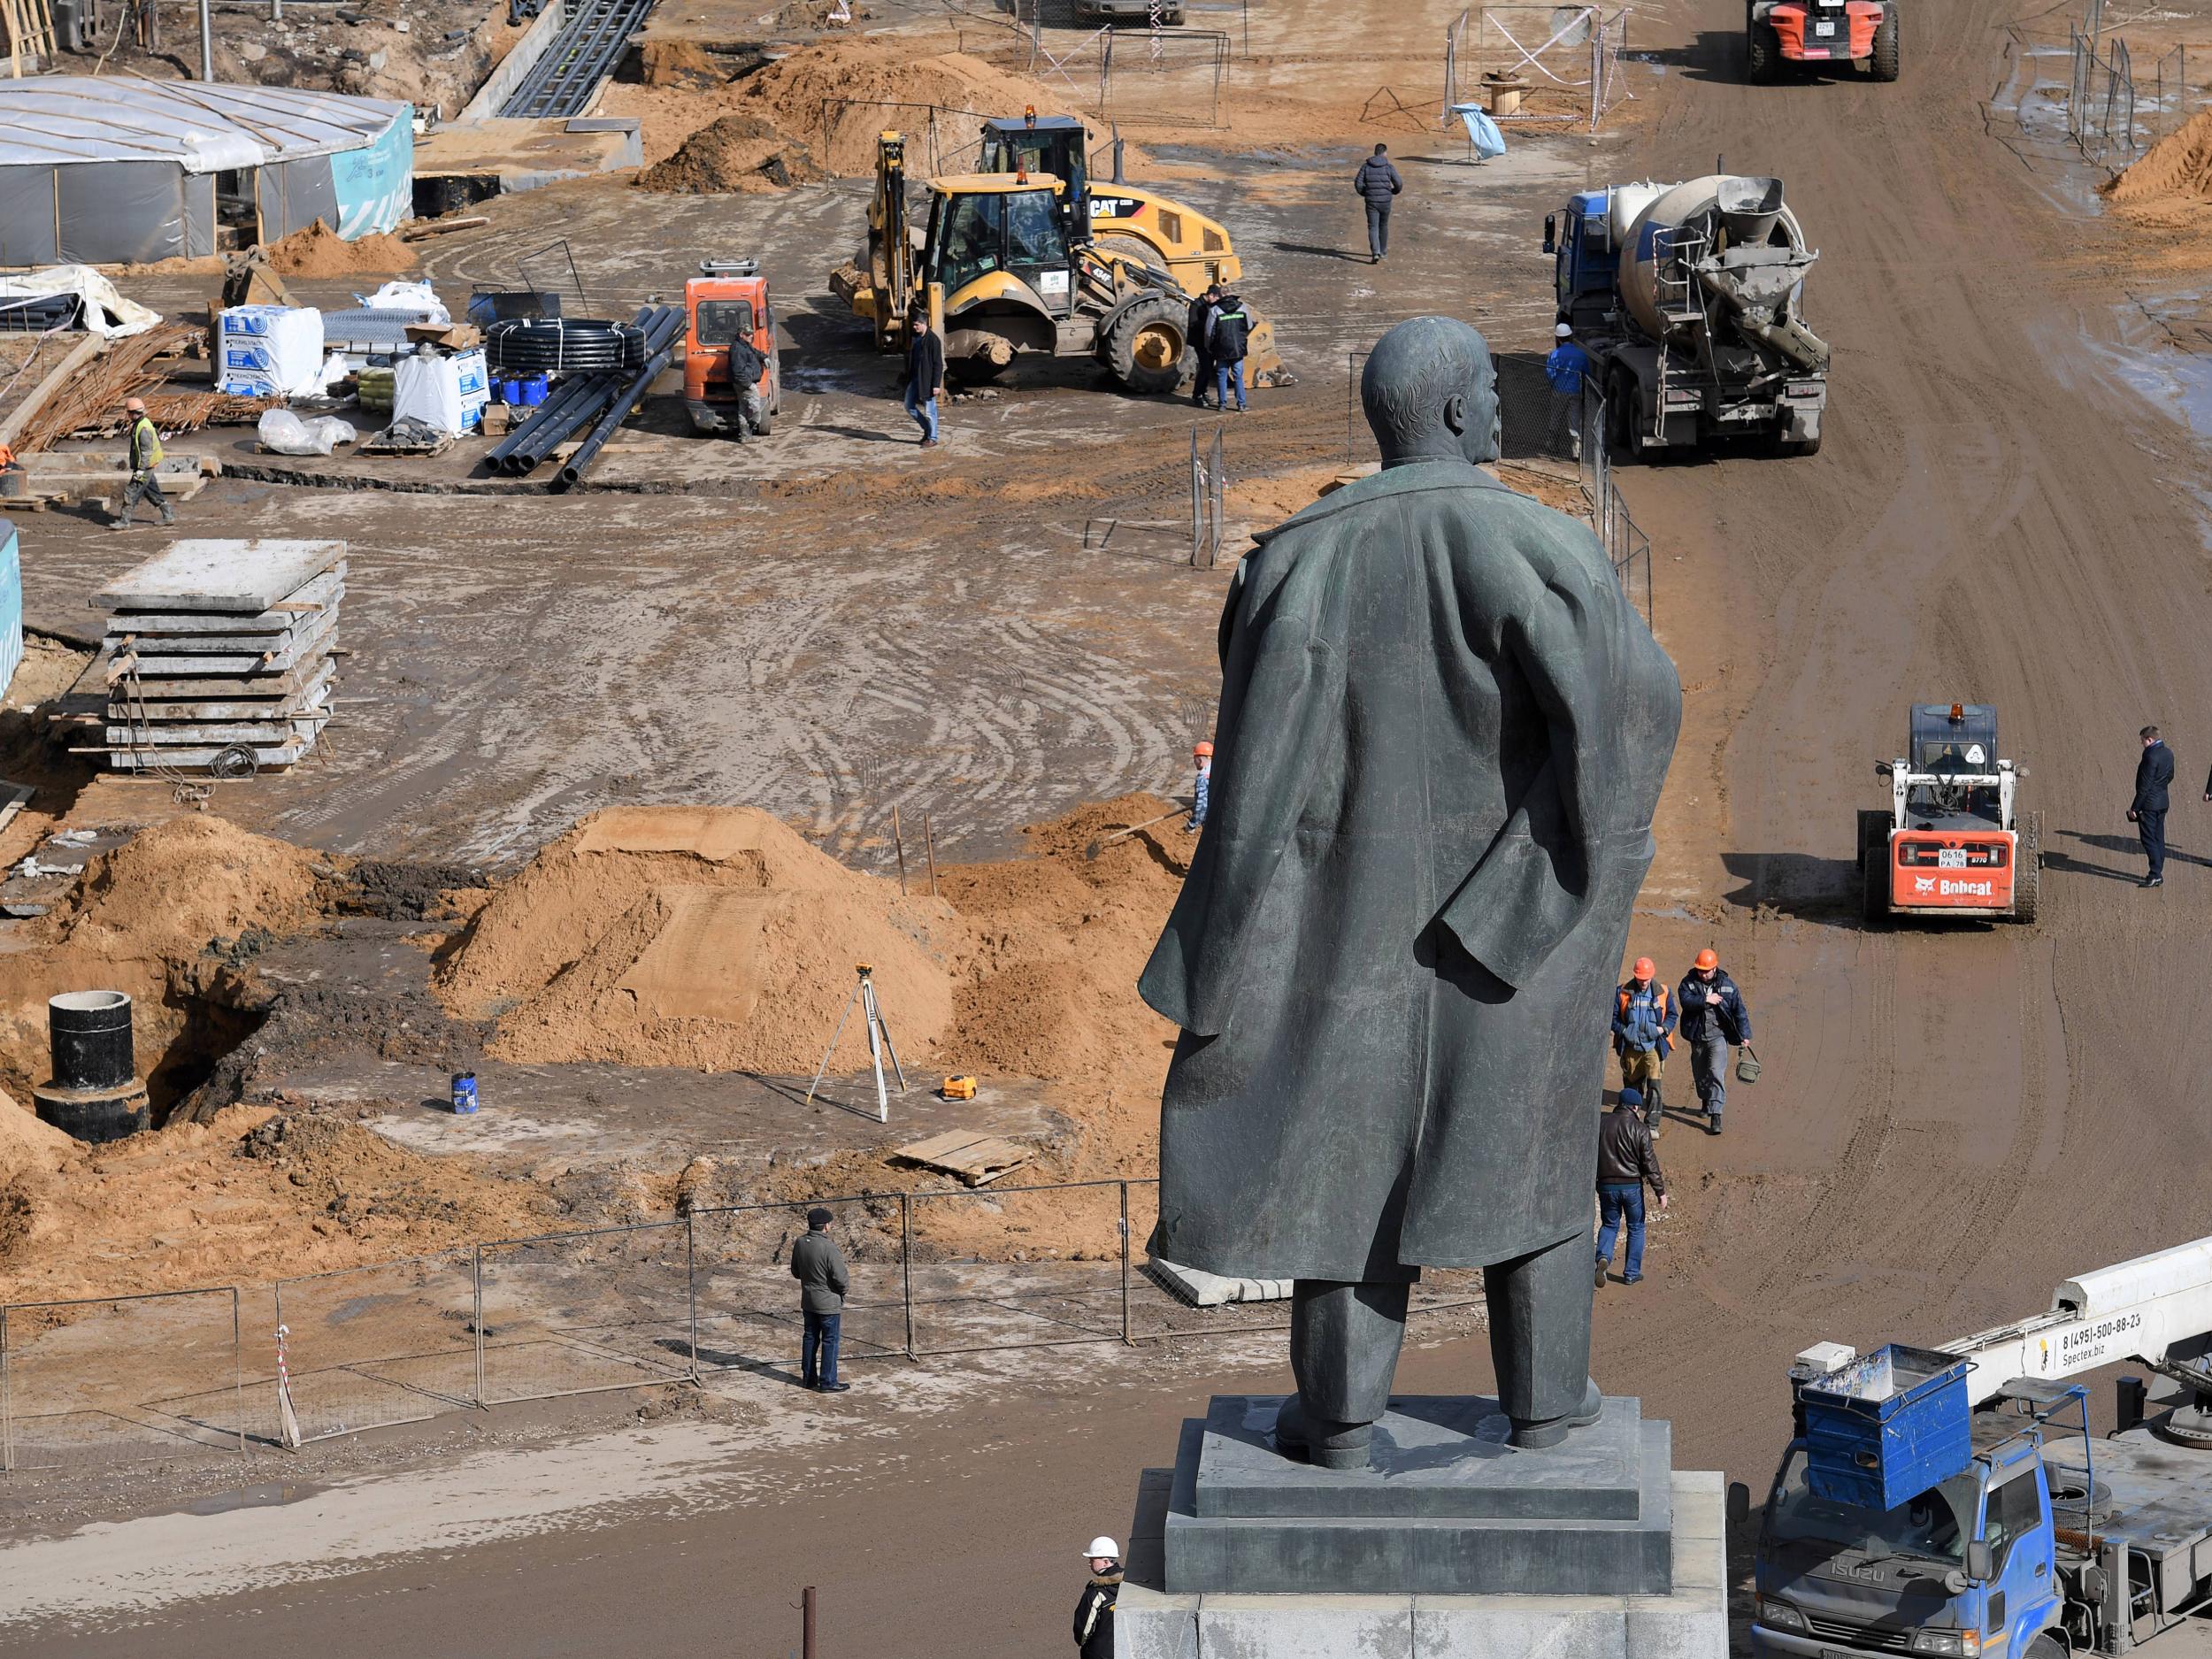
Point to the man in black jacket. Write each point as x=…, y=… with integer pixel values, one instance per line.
x=1626, y=1160
x=1095, y=1612
x=1377, y=181
x=1197, y=329
x=1713, y=1017
x=925, y=376
x=1227, y=337
x=819, y=1267
x=2147, y=811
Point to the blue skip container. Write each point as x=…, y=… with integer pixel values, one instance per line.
x=463, y=1093
x=1882, y=1430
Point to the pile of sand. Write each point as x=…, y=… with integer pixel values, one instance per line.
x=793, y=93
x=320, y=252
x=183, y=883
x=738, y=153
x=2175, y=172
x=714, y=937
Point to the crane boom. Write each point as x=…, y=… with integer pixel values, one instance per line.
x=2139, y=1310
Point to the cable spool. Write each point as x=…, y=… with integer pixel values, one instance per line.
x=549, y=345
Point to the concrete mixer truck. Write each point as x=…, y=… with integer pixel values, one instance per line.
x=1687, y=298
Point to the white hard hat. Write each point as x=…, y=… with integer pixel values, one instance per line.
x=1102, y=1547
x=1561, y=331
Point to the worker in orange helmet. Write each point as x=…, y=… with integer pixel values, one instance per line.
x=1713, y=1017
x=1643, y=1034
x=1202, y=758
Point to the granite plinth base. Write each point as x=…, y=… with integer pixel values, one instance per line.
x=1446, y=1507
x=1689, y=1621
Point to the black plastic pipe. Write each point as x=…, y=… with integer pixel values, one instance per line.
x=660, y=338
x=540, y=437
x=550, y=410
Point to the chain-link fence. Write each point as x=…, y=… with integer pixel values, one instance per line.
x=371, y=1347
x=84, y=1384
x=1536, y=64
x=963, y=1270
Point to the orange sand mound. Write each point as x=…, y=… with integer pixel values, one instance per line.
x=714, y=937
x=2174, y=173
x=320, y=252
x=183, y=883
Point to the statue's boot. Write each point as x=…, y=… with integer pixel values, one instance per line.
x=1540, y=1342
x=1326, y=1443
x=1344, y=1342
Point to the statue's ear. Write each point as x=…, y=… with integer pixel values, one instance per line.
x=1455, y=412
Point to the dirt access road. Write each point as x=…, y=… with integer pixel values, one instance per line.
x=1951, y=1120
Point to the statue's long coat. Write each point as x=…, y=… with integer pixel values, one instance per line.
x=1442, y=733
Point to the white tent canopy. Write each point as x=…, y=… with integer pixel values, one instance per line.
x=117, y=169
x=199, y=126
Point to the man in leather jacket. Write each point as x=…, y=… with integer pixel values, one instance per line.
x=1626, y=1160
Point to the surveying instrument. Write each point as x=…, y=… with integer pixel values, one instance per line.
x=879, y=1040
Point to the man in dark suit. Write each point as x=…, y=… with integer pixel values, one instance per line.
x=2147, y=813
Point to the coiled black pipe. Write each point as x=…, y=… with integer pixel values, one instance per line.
x=549, y=345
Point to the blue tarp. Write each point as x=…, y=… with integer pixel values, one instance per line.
x=376, y=184
x=10, y=604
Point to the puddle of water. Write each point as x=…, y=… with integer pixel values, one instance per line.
x=2147, y=358
x=267, y=1495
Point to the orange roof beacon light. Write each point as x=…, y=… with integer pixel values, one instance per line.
x=1958, y=714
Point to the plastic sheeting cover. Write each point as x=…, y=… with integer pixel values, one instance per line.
x=104, y=310
x=202, y=126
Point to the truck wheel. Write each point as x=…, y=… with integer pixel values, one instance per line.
x=1761, y=51
x=1791, y=449
x=1623, y=406
x=2027, y=875
x=2043, y=1647
x=1145, y=347
x=1885, y=45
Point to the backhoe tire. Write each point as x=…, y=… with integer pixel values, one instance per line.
x=1886, y=50
x=2027, y=873
x=1762, y=53
x=1144, y=348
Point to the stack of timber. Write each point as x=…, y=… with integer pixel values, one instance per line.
x=218, y=657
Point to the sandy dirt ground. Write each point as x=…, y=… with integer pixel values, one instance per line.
x=1951, y=1120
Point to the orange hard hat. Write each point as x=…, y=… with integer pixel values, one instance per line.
x=1643, y=968
x=1201, y=749
x=1707, y=959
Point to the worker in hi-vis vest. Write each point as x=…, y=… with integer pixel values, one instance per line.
x=145, y=456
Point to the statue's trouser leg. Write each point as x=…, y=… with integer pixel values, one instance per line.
x=1344, y=1341
x=1539, y=1333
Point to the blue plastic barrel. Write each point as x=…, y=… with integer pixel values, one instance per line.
x=463, y=1092
x=510, y=391
x=533, y=390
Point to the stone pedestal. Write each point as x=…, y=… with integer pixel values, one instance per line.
x=1451, y=1543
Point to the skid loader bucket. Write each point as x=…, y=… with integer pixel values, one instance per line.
x=1262, y=364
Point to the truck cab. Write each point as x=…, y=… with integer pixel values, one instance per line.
x=1586, y=265
x=728, y=301
x=1968, y=1568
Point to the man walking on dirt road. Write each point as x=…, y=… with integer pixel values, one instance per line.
x=1643, y=1024
x=2147, y=811
x=819, y=1267
x=1713, y=1016
x=925, y=377
x=1626, y=1160
x=144, y=454
x=1377, y=181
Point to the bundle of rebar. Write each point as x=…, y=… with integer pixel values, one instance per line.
x=594, y=404
x=97, y=390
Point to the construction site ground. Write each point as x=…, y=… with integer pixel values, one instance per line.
x=833, y=622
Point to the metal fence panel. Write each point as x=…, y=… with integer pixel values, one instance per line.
x=1069, y=1290
x=581, y=1312
x=85, y=1383
x=749, y=1304
x=371, y=1347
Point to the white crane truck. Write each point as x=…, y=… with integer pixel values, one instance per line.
x=1932, y=1501
x=1689, y=300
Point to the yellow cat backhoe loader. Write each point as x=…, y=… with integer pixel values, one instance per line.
x=995, y=266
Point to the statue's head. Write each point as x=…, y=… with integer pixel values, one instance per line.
x=1430, y=393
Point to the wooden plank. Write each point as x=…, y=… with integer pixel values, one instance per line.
x=18, y=793
x=246, y=577
x=320, y=594
x=63, y=372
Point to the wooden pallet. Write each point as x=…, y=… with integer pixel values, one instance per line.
x=972, y=1159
